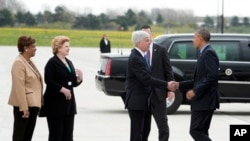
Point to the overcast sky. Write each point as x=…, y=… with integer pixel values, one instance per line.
x=199, y=7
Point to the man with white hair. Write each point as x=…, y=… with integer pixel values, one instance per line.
x=139, y=87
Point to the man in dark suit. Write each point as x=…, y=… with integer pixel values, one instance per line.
x=139, y=87
x=203, y=89
x=161, y=69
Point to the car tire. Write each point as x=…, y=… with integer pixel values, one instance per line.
x=174, y=104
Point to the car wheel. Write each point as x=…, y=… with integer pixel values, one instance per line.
x=174, y=103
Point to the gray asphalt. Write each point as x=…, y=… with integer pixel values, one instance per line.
x=101, y=117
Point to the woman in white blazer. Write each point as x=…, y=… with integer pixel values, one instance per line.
x=26, y=90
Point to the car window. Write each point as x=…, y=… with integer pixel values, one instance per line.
x=183, y=50
x=227, y=51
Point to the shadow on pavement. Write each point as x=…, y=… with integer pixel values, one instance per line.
x=218, y=112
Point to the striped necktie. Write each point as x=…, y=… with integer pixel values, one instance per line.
x=148, y=56
x=146, y=60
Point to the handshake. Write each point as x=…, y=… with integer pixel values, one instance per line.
x=173, y=85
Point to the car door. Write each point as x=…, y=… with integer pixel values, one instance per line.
x=234, y=73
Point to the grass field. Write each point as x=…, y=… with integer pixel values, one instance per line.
x=79, y=38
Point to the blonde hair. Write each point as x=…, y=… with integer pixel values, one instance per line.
x=57, y=43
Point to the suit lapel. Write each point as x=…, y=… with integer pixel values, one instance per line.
x=154, y=52
x=200, y=58
x=137, y=53
x=33, y=68
x=60, y=63
x=71, y=67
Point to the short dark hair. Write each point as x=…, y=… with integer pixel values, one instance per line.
x=145, y=27
x=24, y=41
x=204, y=33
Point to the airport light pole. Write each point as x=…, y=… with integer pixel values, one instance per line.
x=222, y=17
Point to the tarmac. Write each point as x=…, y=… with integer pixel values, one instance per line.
x=101, y=117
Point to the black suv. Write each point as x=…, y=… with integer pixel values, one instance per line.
x=233, y=51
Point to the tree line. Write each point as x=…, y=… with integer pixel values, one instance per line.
x=108, y=21
x=12, y=14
